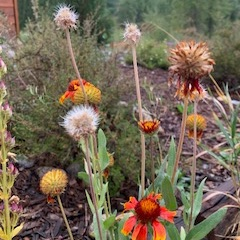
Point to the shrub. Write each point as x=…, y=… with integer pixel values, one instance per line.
x=151, y=54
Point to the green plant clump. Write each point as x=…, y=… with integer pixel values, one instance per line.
x=151, y=54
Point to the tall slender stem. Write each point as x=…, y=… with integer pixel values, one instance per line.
x=64, y=217
x=181, y=138
x=92, y=188
x=143, y=150
x=194, y=166
x=75, y=64
x=5, y=191
x=152, y=162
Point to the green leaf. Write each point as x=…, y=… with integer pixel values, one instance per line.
x=109, y=222
x=234, y=123
x=199, y=231
x=90, y=203
x=168, y=194
x=84, y=176
x=182, y=233
x=171, y=157
x=172, y=231
x=102, y=150
x=103, y=194
x=198, y=200
x=95, y=225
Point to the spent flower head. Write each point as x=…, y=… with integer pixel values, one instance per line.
x=146, y=212
x=132, y=34
x=81, y=121
x=54, y=182
x=65, y=17
x=190, y=61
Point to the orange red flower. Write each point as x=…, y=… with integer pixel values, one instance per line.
x=146, y=212
x=75, y=94
x=149, y=127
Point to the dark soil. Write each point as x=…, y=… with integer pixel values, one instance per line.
x=44, y=221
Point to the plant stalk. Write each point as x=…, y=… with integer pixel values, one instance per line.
x=194, y=166
x=75, y=64
x=65, y=218
x=143, y=150
x=181, y=138
x=92, y=188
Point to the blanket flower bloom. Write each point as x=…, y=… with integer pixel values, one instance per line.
x=200, y=124
x=147, y=212
x=149, y=126
x=81, y=121
x=190, y=62
x=75, y=94
x=65, y=17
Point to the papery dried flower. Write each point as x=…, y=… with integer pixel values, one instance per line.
x=54, y=182
x=14, y=205
x=9, y=140
x=75, y=93
x=200, y=125
x=146, y=212
x=81, y=121
x=65, y=17
x=6, y=111
x=190, y=61
x=149, y=126
x=132, y=34
x=3, y=68
x=12, y=169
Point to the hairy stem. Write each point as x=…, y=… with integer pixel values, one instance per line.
x=65, y=218
x=194, y=166
x=181, y=138
x=143, y=150
x=75, y=64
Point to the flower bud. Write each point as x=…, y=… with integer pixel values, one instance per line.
x=12, y=169
x=9, y=140
x=7, y=111
x=14, y=205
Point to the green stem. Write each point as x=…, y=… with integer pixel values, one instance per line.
x=75, y=64
x=143, y=150
x=65, y=218
x=181, y=138
x=93, y=195
x=152, y=162
x=194, y=167
x=5, y=192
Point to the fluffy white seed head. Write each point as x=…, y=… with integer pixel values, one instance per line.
x=132, y=34
x=81, y=121
x=65, y=17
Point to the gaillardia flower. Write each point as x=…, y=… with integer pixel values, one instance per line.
x=81, y=121
x=132, y=34
x=200, y=125
x=54, y=182
x=146, y=212
x=190, y=61
x=149, y=126
x=75, y=93
x=65, y=17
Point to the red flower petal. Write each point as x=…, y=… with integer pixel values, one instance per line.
x=131, y=204
x=167, y=215
x=159, y=232
x=140, y=232
x=128, y=225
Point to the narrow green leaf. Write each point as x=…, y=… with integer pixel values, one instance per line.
x=102, y=141
x=168, y=194
x=84, y=176
x=90, y=203
x=103, y=194
x=234, y=123
x=102, y=150
x=182, y=233
x=95, y=225
x=172, y=231
x=171, y=157
x=198, y=200
x=199, y=231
